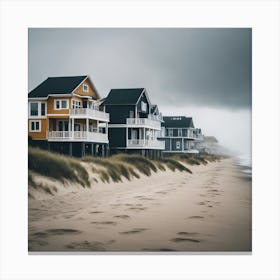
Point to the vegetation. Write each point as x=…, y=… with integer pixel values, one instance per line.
x=173, y=165
x=114, y=168
x=57, y=166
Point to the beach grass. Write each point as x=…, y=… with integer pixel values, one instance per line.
x=57, y=166
x=114, y=168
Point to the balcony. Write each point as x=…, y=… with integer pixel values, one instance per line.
x=77, y=136
x=145, y=144
x=143, y=122
x=84, y=113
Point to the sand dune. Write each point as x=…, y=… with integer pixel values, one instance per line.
x=209, y=210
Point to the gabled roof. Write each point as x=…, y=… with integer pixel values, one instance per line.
x=177, y=121
x=125, y=96
x=57, y=85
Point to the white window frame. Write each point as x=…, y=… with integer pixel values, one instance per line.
x=39, y=109
x=85, y=88
x=60, y=102
x=178, y=145
x=34, y=121
x=76, y=104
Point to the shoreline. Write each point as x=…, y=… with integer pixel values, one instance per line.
x=169, y=211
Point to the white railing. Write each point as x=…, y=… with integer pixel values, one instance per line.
x=155, y=117
x=87, y=112
x=77, y=136
x=143, y=143
x=155, y=124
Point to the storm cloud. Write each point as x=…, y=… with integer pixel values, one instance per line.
x=182, y=66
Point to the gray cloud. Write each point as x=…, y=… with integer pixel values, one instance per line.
x=200, y=67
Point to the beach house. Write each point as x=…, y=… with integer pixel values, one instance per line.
x=135, y=123
x=180, y=135
x=65, y=116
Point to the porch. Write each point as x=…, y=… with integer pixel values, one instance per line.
x=143, y=138
x=74, y=130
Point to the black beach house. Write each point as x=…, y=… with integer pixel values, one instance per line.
x=180, y=135
x=135, y=123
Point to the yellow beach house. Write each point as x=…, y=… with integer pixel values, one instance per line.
x=65, y=116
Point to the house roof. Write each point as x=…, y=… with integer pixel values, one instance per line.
x=177, y=121
x=56, y=85
x=126, y=96
x=154, y=109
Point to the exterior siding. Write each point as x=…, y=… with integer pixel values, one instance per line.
x=91, y=91
x=117, y=137
x=119, y=113
x=52, y=110
x=39, y=135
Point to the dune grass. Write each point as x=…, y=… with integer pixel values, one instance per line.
x=115, y=168
x=173, y=165
x=57, y=166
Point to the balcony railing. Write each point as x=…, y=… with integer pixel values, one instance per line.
x=87, y=112
x=154, y=124
x=77, y=136
x=155, y=117
x=143, y=143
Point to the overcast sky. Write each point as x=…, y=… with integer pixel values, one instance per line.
x=204, y=73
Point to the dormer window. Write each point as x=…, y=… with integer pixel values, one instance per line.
x=85, y=88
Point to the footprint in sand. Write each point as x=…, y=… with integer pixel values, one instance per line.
x=180, y=239
x=96, y=212
x=187, y=233
x=33, y=242
x=86, y=246
x=104, y=223
x=159, y=250
x=137, y=208
x=161, y=192
x=122, y=216
x=56, y=232
x=134, y=231
x=201, y=203
x=196, y=217
x=146, y=198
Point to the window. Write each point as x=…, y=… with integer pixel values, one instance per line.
x=143, y=106
x=34, y=109
x=178, y=144
x=43, y=109
x=76, y=104
x=37, y=109
x=85, y=87
x=61, y=104
x=35, y=126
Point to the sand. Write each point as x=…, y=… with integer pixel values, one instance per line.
x=207, y=211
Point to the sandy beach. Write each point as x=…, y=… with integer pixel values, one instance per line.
x=209, y=210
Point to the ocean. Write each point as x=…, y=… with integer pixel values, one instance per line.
x=245, y=163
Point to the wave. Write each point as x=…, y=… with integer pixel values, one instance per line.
x=245, y=162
